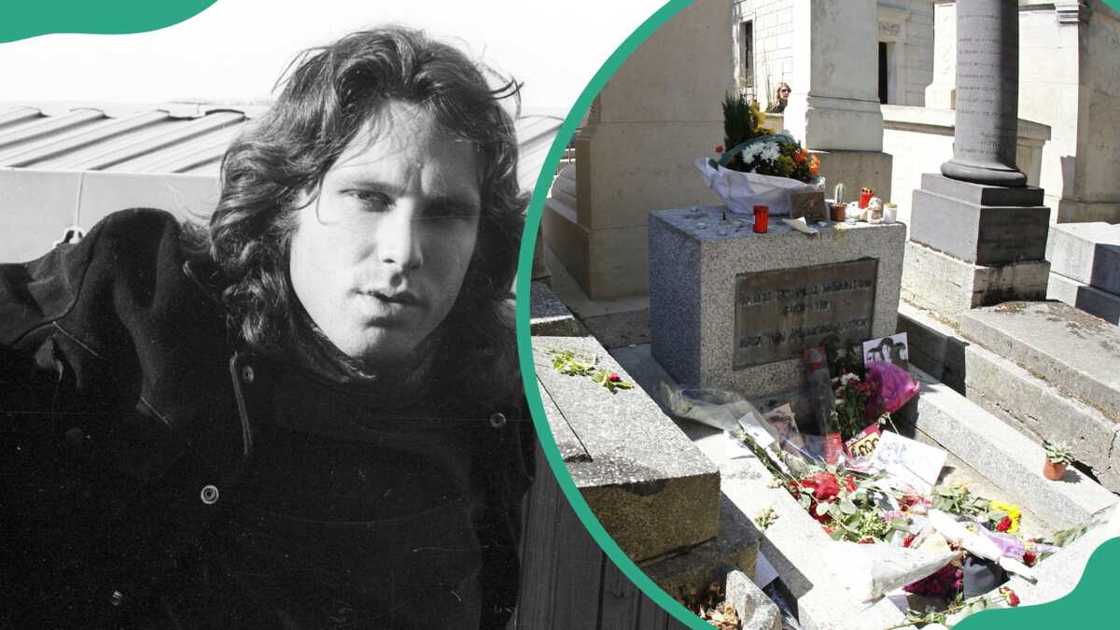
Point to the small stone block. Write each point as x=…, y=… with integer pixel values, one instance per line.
x=756, y=611
x=1106, y=269
x=1077, y=251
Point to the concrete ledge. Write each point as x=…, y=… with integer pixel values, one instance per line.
x=1004, y=456
x=651, y=488
x=548, y=316
x=1093, y=301
x=1075, y=351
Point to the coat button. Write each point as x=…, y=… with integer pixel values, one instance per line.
x=247, y=374
x=117, y=598
x=209, y=494
x=498, y=420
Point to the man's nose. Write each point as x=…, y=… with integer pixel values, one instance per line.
x=399, y=237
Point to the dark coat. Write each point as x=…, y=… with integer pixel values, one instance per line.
x=127, y=413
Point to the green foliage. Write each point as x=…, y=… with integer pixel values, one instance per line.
x=566, y=362
x=741, y=120
x=956, y=498
x=1058, y=453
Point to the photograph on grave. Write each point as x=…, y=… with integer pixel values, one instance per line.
x=812, y=366
x=261, y=368
x=893, y=349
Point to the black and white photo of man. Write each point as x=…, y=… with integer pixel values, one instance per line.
x=892, y=349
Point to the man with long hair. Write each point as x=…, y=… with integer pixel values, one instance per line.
x=307, y=415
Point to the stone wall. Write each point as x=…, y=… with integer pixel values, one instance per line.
x=906, y=27
x=773, y=46
x=655, y=116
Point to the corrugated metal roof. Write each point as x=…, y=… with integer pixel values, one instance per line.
x=73, y=163
x=173, y=138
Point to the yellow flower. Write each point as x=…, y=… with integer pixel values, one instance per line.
x=1011, y=510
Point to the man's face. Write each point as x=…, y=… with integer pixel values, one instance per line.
x=378, y=258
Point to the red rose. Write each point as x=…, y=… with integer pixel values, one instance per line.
x=824, y=484
x=908, y=539
x=1004, y=524
x=614, y=377
x=1010, y=596
x=849, y=483
x=719, y=148
x=1029, y=558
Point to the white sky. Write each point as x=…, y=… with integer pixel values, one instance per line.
x=235, y=50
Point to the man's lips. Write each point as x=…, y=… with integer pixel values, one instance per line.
x=404, y=298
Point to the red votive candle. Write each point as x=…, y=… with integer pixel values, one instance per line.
x=761, y=219
x=865, y=197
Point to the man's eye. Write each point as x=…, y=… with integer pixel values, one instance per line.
x=371, y=200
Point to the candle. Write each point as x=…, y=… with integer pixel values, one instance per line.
x=761, y=219
x=864, y=197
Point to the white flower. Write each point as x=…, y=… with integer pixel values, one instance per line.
x=848, y=378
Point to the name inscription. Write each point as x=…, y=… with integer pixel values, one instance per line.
x=779, y=313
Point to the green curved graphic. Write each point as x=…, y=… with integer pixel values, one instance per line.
x=22, y=19
x=1090, y=605
x=524, y=339
x=1086, y=607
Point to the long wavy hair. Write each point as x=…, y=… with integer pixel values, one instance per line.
x=328, y=94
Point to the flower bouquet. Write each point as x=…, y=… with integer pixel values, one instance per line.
x=757, y=167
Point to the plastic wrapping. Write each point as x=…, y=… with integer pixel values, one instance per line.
x=716, y=408
x=741, y=191
x=894, y=385
x=882, y=568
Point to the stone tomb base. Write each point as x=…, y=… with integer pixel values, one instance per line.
x=733, y=309
x=950, y=286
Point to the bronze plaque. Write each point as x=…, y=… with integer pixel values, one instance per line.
x=779, y=313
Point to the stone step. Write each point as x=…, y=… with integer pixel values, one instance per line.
x=1086, y=298
x=1030, y=404
x=1077, y=353
x=1039, y=409
x=1000, y=453
x=1086, y=252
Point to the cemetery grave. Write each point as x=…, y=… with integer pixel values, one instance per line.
x=882, y=407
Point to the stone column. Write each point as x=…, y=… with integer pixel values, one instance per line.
x=834, y=105
x=987, y=94
x=977, y=232
x=941, y=93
